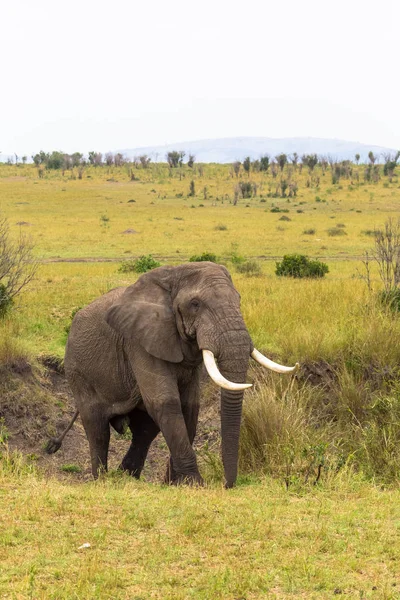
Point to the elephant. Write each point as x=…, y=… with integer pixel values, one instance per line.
x=137, y=352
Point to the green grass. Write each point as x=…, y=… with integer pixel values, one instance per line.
x=67, y=215
x=146, y=541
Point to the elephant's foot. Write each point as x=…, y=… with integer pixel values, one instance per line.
x=174, y=478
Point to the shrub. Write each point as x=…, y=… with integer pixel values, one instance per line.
x=310, y=231
x=336, y=231
x=220, y=227
x=251, y=268
x=390, y=298
x=276, y=209
x=206, y=256
x=17, y=265
x=284, y=218
x=299, y=265
x=141, y=265
x=5, y=300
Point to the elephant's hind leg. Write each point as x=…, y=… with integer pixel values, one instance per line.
x=97, y=430
x=144, y=430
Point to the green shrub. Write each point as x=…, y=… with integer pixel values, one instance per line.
x=206, y=256
x=71, y=468
x=390, y=298
x=298, y=265
x=6, y=300
x=251, y=268
x=141, y=265
x=276, y=209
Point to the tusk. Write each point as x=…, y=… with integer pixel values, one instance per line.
x=216, y=376
x=270, y=364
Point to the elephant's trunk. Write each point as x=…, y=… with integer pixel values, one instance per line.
x=231, y=414
x=234, y=369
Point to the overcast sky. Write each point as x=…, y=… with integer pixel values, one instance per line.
x=102, y=75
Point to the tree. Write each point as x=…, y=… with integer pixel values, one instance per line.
x=119, y=160
x=264, y=163
x=390, y=164
x=357, y=157
x=144, y=161
x=236, y=167
x=310, y=160
x=181, y=157
x=109, y=159
x=372, y=157
x=247, y=164
x=76, y=159
x=40, y=158
x=281, y=159
x=95, y=158
x=191, y=160
x=294, y=158
x=56, y=160
x=17, y=265
x=173, y=158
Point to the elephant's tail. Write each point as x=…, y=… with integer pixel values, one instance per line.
x=54, y=444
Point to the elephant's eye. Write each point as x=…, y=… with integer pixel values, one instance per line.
x=194, y=303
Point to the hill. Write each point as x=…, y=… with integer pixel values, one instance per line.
x=227, y=150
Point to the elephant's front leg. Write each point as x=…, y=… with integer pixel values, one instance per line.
x=172, y=423
x=190, y=403
x=158, y=384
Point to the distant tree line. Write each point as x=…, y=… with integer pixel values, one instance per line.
x=343, y=168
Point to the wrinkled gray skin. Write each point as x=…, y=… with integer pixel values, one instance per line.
x=136, y=352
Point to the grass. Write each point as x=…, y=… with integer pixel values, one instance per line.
x=146, y=541
x=66, y=214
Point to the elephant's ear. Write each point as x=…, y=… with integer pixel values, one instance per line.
x=144, y=314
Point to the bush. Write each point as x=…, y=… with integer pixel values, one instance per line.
x=310, y=231
x=336, y=231
x=141, y=265
x=220, y=227
x=390, y=298
x=298, y=265
x=5, y=300
x=251, y=268
x=206, y=256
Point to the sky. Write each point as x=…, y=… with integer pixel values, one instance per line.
x=99, y=75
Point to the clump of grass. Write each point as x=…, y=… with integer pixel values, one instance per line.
x=284, y=218
x=220, y=227
x=279, y=434
x=335, y=232
x=250, y=268
x=369, y=232
x=309, y=231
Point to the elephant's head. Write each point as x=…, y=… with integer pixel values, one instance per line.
x=178, y=312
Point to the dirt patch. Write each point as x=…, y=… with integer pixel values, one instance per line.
x=23, y=223
x=129, y=231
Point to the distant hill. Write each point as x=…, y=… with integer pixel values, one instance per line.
x=227, y=150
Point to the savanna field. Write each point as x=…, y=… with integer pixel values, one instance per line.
x=316, y=511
